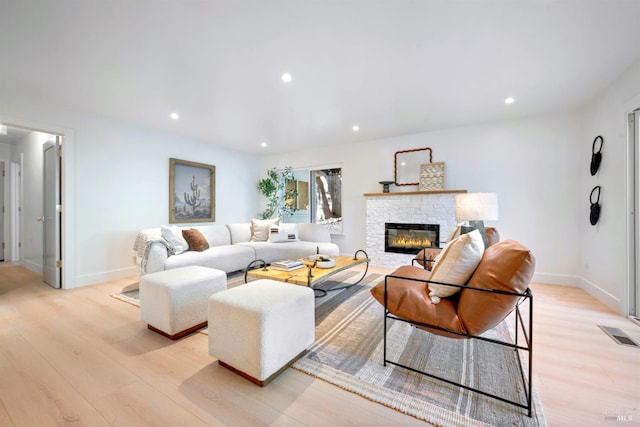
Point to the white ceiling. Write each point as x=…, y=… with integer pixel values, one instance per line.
x=393, y=67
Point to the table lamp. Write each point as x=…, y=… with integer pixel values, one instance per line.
x=475, y=208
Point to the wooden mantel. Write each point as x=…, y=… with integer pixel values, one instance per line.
x=409, y=193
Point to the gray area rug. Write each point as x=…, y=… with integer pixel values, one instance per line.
x=348, y=353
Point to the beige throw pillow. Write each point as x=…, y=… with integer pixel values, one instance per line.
x=260, y=229
x=455, y=264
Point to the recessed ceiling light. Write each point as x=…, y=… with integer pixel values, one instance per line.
x=174, y=116
x=286, y=77
x=509, y=100
x=355, y=128
x=263, y=144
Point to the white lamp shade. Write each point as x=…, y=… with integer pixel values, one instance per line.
x=477, y=207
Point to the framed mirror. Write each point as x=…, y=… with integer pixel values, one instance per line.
x=407, y=165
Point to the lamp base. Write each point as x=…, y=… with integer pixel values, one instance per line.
x=476, y=225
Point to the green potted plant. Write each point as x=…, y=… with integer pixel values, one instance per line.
x=279, y=193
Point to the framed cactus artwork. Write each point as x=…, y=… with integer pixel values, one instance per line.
x=192, y=191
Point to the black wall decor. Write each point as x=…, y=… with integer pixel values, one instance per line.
x=594, y=211
x=596, y=156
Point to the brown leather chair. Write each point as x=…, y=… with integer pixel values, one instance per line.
x=498, y=286
x=427, y=256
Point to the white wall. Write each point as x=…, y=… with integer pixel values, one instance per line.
x=603, y=263
x=117, y=182
x=530, y=163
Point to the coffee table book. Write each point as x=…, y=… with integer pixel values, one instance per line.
x=287, y=265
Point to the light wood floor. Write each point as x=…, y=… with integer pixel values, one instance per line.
x=79, y=357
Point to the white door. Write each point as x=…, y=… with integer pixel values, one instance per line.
x=52, y=263
x=634, y=224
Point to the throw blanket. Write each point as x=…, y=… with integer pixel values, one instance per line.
x=144, y=240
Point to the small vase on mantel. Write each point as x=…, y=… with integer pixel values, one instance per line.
x=385, y=185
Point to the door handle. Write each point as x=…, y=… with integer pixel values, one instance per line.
x=40, y=218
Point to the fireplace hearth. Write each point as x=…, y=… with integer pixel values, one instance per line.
x=410, y=238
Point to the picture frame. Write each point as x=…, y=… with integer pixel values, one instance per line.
x=431, y=176
x=191, y=191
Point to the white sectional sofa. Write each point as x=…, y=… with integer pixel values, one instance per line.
x=230, y=248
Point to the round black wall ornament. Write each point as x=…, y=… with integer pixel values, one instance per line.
x=596, y=156
x=594, y=211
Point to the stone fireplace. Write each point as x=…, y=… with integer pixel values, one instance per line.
x=419, y=207
x=410, y=238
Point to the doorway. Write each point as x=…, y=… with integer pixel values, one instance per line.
x=27, y=219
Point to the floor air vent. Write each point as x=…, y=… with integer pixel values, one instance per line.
x=618, y=336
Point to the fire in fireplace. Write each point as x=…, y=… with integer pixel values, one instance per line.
x=410, y=238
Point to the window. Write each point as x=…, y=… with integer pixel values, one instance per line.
x=326, y=198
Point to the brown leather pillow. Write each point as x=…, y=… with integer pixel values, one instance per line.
x=195, y=239
x=506, y=266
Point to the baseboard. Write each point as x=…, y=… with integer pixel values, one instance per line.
x=556, y=279
x=92, y=279
x=592, y=289
x=30, y=265
x=603, y=296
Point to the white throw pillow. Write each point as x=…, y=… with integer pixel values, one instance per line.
x=284, y=233
x=173, y=235
x=260, y=229
x=455, y=264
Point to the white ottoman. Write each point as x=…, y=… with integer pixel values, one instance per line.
x=173, y=302
x=258, y=329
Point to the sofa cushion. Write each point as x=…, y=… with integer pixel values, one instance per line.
x=455, y=264
x=173, y=235
x=196, y=240
x=260, y=229
x=270, y=252
x=506, y=266
x=226, y=258
x=240, y=232
x=409, y=299
x=216, y=234
x=310, y=232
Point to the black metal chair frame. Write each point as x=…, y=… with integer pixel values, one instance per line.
x=527, y=333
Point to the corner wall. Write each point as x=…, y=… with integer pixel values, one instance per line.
x=603, y=263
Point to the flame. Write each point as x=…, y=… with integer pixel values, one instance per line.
x=410, y=241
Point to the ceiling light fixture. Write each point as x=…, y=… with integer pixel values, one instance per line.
x=509, y=101
x=3, y=129
x=355, y=128
x=263, y=145
x=286, y=77
x=174, y=116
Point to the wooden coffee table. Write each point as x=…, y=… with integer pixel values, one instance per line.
x=309, y=275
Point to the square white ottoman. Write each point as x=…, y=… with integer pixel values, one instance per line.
x=173, y=302
x=258, y=329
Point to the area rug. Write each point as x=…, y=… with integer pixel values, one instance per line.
x=348, y=354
